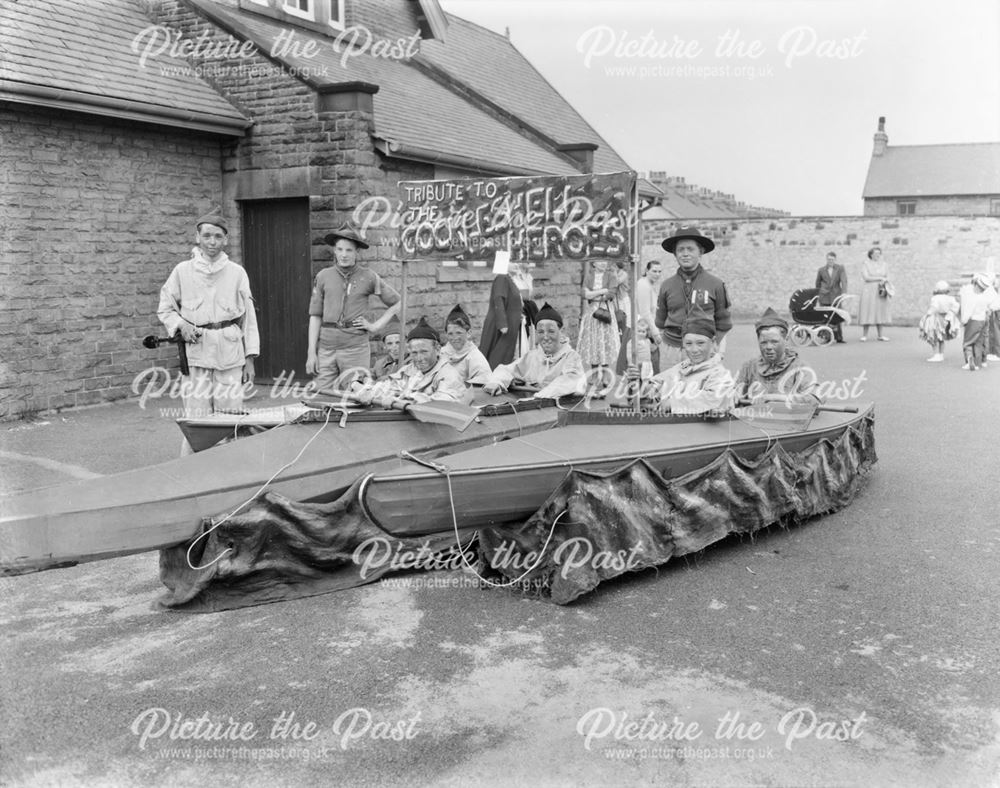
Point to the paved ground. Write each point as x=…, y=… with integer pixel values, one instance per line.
x=876, y=625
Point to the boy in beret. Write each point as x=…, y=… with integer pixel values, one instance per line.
x=461, y=352
x=207, y=300
x=426, y=376
x=552, y=365
x=699, y=383
x=392, y=336
x=777, y=374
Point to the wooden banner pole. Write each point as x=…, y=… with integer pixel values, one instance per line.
x=634, y=264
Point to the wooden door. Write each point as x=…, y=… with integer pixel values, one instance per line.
x=277, y=260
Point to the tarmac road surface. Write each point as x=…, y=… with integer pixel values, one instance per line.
x=858, y=649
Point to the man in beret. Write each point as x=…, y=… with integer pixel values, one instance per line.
x=426, y=376
x=339, y=342
x=777, y=375
x=690, y=289
x=552, y=365
x=207, y=300
x=699, y=383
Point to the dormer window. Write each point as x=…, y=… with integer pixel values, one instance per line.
x=323, y=16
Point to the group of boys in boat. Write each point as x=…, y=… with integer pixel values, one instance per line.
x=699, y=383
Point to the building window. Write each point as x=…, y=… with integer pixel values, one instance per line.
x=995, y=207
x=300, y=8
x=906, y=207
x=337, y=14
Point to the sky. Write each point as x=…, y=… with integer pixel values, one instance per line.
x=774, y=101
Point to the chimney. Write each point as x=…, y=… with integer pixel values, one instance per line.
x=881, y=138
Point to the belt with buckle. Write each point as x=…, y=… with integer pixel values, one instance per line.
x=217, y=326
x=338, y=324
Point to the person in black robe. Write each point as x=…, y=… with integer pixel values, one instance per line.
x=503, y=322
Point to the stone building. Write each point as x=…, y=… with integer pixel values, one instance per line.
x=122, y=120
x=932, y=180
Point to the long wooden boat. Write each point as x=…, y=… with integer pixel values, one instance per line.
x=154, y=507
x=509, y=481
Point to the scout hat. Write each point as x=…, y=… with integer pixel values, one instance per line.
x=548, y=312
x=213, y=218
x=698, y=323
x=423, y=330
x=349, y=232
x=770, y=319
x=458, y=317
x=687, y=232
x=392, y=327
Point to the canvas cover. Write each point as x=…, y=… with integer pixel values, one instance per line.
x=277, y=549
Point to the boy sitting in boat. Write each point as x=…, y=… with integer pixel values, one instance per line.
x=461, y=352
x=698, y=384
x=777, y=374
x=425, y=376
x=552, y=365
x=392, y=336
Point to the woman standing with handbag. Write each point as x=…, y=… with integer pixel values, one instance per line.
x=875, y=294
x=599, y=340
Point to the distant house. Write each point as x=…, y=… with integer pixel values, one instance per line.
x=932, y=180
x=123, y=120
x=675, y=198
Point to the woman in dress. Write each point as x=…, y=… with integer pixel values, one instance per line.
x=461, y=352
x=599, y=341
x=875, y=295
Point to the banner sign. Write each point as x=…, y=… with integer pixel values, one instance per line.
x=536, y=218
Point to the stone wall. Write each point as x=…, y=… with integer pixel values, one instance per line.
x=763, y=261
x=95, y=214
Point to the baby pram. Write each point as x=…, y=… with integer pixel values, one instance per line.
x=812, y=322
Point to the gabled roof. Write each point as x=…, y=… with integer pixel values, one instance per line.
x=934, y=170
x=451, y=104
x=492, y=66
x=78, y=56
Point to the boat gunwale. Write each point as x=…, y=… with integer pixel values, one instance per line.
x=420, y=475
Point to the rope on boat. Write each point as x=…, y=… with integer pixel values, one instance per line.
x=282, y=469
x=465, y=560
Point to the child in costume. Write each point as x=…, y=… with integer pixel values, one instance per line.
x=941, y=321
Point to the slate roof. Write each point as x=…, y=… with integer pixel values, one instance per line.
x=415, y=109
x=934, y=170
x=77, y=56
x=491, y=65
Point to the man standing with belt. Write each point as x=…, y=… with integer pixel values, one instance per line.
x=207, y=299
x=338, y=330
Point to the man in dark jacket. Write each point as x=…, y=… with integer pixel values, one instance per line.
x=831, y=281
x=690, y=288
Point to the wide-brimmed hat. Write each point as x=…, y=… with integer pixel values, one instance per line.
x=213, y=218
x=423, y=330
x=548, y=312
x=698, y=323
x=687, y=232
x=457, y=315
x=770, y=319
x=348, y=232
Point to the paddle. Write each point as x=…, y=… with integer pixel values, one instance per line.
x=796, y=416
x=452, y=414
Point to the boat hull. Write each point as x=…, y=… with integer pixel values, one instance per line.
x=155, y=507
x=510, y=481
